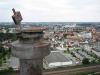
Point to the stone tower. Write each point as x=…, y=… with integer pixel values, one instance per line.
x=94, y=34
x=30, y=48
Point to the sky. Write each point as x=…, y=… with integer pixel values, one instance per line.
x=51, y=10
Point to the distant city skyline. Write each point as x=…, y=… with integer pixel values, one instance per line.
x=52, y=10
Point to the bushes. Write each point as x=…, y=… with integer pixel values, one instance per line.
x=6, y=71
x=85, y=61
x=6, y=36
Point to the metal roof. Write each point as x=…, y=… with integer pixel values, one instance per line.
x=56, y=56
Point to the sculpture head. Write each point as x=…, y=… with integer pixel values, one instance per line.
x=14, y=11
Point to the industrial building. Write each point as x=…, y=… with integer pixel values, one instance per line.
x=57, y=59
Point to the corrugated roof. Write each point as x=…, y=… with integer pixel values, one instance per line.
x=56, y=56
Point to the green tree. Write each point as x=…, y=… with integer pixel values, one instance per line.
x=85, y=61
x=64, y=35
x=65, y=51
x=0, y=62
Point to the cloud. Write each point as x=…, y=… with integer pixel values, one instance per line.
x=52, y=10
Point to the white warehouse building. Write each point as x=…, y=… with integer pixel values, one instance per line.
x=56, y=59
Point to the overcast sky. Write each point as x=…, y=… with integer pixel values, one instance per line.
x=52, y=10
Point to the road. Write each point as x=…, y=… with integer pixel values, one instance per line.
x=71, y=71
x=75, y=71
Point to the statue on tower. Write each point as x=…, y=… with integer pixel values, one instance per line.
x=17, y=18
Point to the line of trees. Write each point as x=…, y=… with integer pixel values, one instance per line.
x=6, y=36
